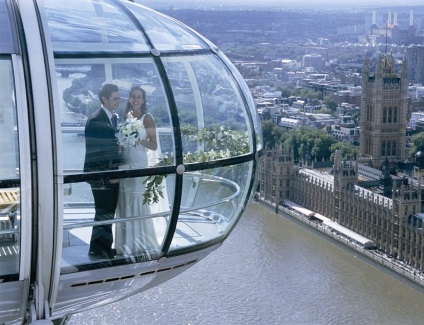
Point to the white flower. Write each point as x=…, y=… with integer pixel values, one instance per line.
x=130, y=132
x=212, y=154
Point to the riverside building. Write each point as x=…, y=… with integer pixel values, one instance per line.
x=390, y=214
x=383, y=208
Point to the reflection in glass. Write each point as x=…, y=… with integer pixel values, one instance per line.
x=212, y=202
x=218, y=90
x=250, y=101
x=212, y=114
x=85, y=25
x=138, y=232
x=166, y=34
x=9, y=177
x=78, y=85
x=8, y=43
x=143, y=105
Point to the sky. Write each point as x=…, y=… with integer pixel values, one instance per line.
x=284, y=3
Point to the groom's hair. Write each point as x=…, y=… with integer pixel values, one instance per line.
x=107, y=90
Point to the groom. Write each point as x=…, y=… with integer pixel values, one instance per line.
x=102, y=153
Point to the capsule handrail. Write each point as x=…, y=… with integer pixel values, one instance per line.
x=212, y=178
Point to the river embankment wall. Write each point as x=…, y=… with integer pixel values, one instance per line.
x=379, y=260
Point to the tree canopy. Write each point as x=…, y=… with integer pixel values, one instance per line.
x=306, y=142
x=349, y=151
x=272, y=134
x=330, y=103
x=417, y=143
x=311, y=142
x=300, y=92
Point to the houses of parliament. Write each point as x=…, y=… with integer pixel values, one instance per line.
x=362, y=194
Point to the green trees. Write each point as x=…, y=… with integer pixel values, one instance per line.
x=310, y=141
x=330, y=103
x=305, y=141
x=349, y=151
x=285, y=92
x=417, y=143
x=304, y=93
x=272, y=134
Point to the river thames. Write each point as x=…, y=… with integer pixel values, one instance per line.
x=270, y=271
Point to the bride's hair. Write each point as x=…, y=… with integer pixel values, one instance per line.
x=128, y=107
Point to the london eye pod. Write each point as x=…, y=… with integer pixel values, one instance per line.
x=180, y=203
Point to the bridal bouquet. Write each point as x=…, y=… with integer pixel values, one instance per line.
x=130, y=132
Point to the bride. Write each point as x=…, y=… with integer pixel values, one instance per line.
x=136, y=237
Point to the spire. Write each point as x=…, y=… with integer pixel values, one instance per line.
x=386, y=65
x=380, y=65
x=366, y=66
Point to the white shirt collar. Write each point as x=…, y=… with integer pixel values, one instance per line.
x=109, y=113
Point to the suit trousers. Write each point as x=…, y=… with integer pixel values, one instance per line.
x=105, y=201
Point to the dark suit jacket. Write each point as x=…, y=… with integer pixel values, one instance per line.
x=102, y=151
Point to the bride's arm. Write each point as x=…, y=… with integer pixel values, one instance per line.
x=150, y=126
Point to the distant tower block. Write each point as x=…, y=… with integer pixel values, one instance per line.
x=395, y=18
x=389, y=17
x=411, y=18
x=374, y=18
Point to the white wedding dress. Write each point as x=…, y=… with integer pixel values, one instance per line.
x=136, y=237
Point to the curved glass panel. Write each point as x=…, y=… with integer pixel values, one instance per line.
x=91, y=144
x=212, y=202
x=91, y=26
x=138, y=230
x=79, y=82
x=9, y=177
x=8, y=42
x=114, y=210
x=250, y=101
x=212, y=114
x=165, y=33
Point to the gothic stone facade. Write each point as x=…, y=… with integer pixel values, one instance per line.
x=276, y=175
x=392, y=223
x=384, y=110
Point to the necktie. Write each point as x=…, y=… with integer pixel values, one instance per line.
x=114, y=121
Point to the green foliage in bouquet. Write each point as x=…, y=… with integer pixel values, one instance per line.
x=214, y=143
